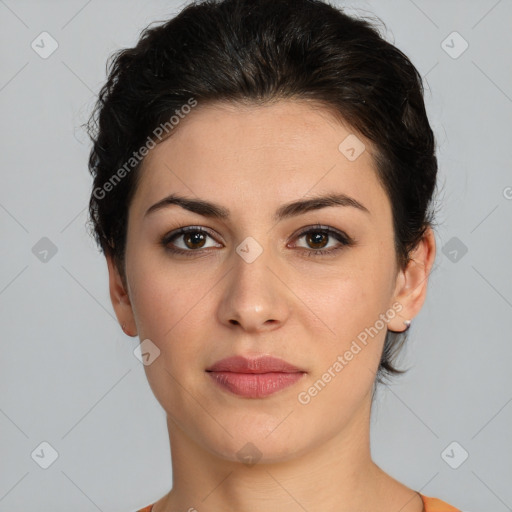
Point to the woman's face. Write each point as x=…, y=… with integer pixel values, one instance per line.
x=255, y=282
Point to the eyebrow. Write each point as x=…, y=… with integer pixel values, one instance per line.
x=216, y=211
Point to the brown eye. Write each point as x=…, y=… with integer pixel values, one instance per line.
x=187, y=240
x=194, y=240
x=317, y=239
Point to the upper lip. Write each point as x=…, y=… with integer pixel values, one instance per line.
x=262, y=364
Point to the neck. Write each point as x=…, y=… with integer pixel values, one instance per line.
x=337, y=474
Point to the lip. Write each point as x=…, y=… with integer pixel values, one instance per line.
x=254, y=377
x=262, y=364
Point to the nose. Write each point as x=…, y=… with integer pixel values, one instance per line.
x=254, y=297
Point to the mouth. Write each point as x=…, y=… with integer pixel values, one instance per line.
x=254, y=377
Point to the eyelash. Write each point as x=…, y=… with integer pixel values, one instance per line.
x=344, y=240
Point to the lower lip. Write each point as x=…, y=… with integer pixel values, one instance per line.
x=255, y=385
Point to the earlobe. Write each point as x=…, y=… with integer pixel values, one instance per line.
x=412, y=282
x=120, y=299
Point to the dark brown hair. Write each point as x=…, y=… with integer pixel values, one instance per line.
x=260, y=51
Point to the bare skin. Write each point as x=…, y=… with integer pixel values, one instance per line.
x=307, y=309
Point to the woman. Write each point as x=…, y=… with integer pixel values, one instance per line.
x=263, y=180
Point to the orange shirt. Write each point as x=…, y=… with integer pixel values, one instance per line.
x=435, y=505
x=431, y=505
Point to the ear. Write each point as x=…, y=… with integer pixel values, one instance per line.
x=411, y=283
x=120, y=299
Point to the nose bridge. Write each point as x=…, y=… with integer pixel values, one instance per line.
x=251, y=274
x=254, y=296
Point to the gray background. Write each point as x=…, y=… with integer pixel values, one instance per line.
x=68, y=374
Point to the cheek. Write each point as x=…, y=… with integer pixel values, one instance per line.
x=351, y=302
x=351, y=298
x=346, y=362
x=354, y=318
x=168, y=311
x=167, y=302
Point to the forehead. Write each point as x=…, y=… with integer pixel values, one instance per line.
x=249, y=155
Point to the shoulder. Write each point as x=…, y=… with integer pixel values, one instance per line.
x=146, y=509
x=436, y=505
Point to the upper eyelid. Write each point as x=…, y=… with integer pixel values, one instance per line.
x=176, y=233
x=339, y=234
